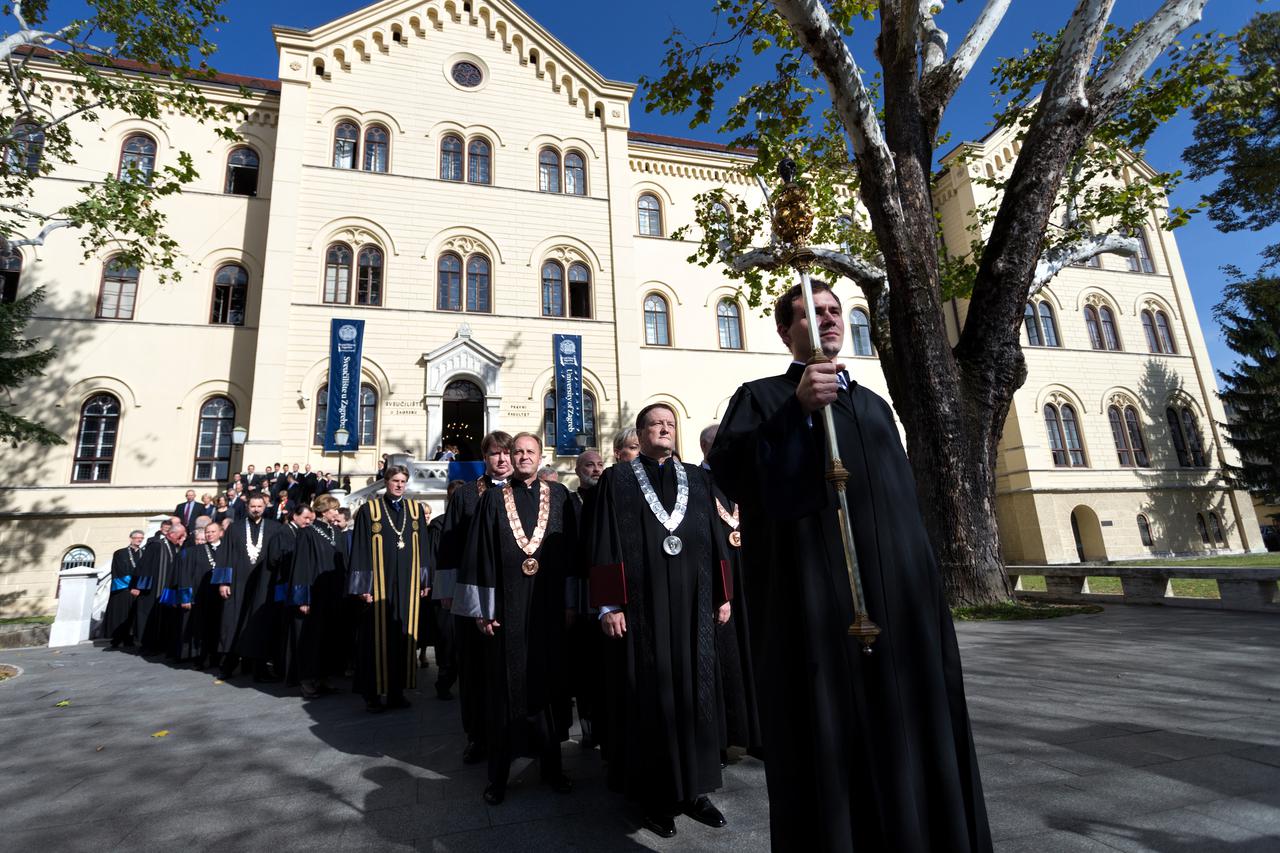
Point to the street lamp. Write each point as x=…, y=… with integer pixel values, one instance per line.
x=238, y=437
x=340, y=438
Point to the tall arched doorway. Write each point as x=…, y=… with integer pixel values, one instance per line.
x=462, y=413
x=1087, y=531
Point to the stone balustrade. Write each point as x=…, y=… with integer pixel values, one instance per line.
x=1254, y=589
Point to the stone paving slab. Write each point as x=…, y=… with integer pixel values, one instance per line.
x=1134, y=729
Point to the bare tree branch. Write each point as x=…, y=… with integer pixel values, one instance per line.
x=863, y=273
x=1064, y=92
x=1157, y=34
x=1057, y=259
x=38, y=240
x=933, y=39
x=818, y=36
x=940, y=83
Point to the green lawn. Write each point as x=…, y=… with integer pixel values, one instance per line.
x=27, y=620
x=1239, y=561
x=1182, y=588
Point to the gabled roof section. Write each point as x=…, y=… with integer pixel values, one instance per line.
x=373, y=28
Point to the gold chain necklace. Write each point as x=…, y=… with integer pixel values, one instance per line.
x=403, y=522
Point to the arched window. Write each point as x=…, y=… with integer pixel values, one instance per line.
x=479, y=159
x=478, y=294
x=1215, y=527
x=1185, y=433
x=1030, y=320
x=137, y=158
x=230, y=291
x=346, y=144
x=10, y=274
x=1110, y=334
x=26, y=145
x=119, y=290
x=588, y=418
x=1165, y=332
x=322, y=416
x=860, y=331
x=575, y=174
x=1048, y=326
x=79, y=557
x=1149, y=329
x=451, y=158
x=337, y=274
x=579, y=291
x=369, y=276
x=368, y=416
x=96, y=439
x=1064, y=436
x=1095, y=328
x=1203, y=529
x=1141, y=262
x=649, y=212
x=376, y=148
x=729, y=324
x=552, y=290
x=449, y=282
x=213, y=442
x=242, y=172
x=549, y=170
x=657, y=328
x=1127, y=434
x=1144, y=531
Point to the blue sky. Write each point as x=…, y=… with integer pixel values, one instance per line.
x=626, y=43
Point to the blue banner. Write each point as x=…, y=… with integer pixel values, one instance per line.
x=567, y=353
x=346, y=338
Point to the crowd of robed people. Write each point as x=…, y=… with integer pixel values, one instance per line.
x=678, y=610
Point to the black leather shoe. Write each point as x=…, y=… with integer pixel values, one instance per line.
x=374, y=705
x=473, y=754
x=560, y=783
x=661, y=825
x=495, y=794
x=702, y=811
x=396, y=703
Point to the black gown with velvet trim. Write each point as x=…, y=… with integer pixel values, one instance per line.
x=664, y=706
x=863, y=753
x=733, y=647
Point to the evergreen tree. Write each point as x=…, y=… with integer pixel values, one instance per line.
x=21, y=359
x=1249, y=314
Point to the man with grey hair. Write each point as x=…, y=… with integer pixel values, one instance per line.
x=154, y=573
x=547, y=474
x=117, y=620
x=585, y=640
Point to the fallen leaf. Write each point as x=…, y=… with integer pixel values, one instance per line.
x=63, y=704
x=161, y=733
x=99, y=749
x=218, y=681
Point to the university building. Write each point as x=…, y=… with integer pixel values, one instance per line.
x=456, y=177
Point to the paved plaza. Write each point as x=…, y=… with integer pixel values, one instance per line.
x=1134, y=729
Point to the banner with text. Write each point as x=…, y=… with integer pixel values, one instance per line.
x=346, y=338
x=567, y=352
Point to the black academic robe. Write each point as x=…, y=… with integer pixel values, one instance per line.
x=442, y=634
x=269, y=634
x=316, y=580
x=155, y=569
x=862, y=752
x=524, y=659
x=246, y=620
x=190, y=585
x=117, y=619
x=585, y=642
x=664, y=702
x=386, y=662
x=472, y=682
x=733, y=643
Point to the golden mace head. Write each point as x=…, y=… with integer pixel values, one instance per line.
x=792, y=215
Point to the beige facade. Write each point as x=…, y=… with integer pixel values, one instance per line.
x=392, y=71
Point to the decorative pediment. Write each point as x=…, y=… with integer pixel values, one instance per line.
x=462, y=357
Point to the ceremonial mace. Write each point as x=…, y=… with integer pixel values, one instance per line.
x=793, y=223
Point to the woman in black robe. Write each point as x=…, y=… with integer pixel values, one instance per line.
x=862, y=752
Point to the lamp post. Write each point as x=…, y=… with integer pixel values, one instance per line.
x=340, y=438
x=238, y=437
x=583, y=441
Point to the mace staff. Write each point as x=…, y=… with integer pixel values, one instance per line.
x=793, y=223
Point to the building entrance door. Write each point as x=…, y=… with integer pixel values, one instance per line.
x=462, y=413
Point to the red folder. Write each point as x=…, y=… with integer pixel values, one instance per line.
x=608, y=585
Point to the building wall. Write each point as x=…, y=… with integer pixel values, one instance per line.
x=167, y=361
